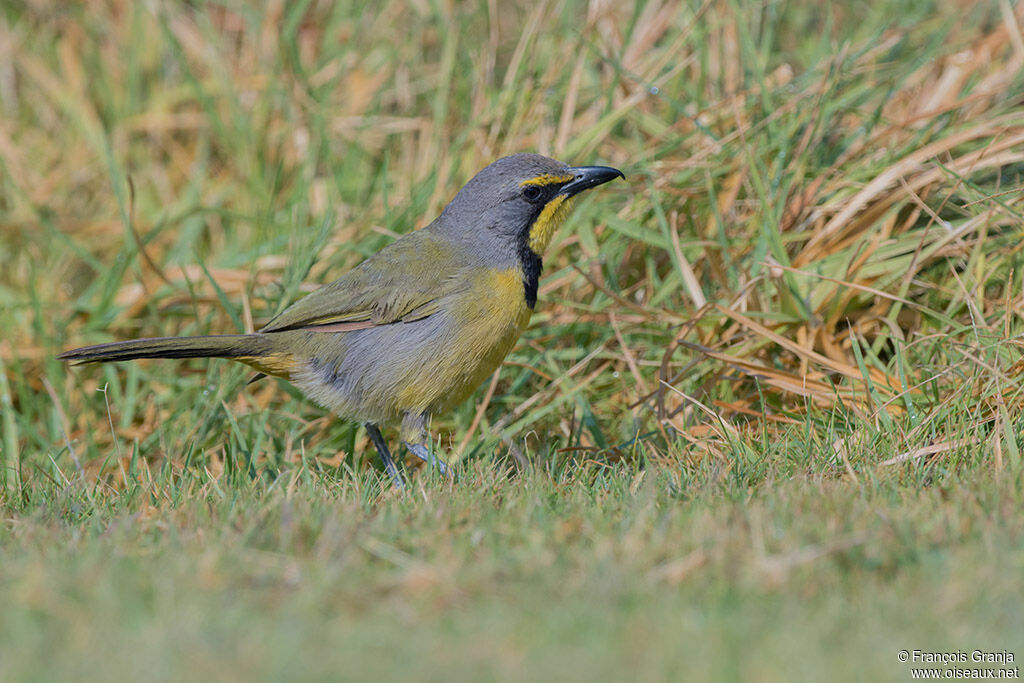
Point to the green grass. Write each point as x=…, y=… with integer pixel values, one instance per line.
x=578, y=576
x=764, y=426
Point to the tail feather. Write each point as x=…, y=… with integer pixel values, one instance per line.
x=220, y=346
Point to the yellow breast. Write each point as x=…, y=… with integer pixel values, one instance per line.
x=486, y=323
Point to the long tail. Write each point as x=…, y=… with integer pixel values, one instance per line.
x=244, y=347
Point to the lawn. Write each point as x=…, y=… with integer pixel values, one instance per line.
x=765, y=424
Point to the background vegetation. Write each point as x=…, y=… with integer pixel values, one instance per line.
x=766, y=424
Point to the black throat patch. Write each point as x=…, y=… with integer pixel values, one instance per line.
x=528, y=258
x=532, y=266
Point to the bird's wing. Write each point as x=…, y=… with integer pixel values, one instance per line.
x=403, y=282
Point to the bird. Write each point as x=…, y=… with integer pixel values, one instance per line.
x=415, y=328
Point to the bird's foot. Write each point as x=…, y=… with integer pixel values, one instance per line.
x=421, y=452
x=396, y=476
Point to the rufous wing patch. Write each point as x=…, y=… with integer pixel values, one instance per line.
x=341, y=327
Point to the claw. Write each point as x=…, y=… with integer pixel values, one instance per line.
x=421, y=452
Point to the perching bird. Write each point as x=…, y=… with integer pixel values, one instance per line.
x=415, y=328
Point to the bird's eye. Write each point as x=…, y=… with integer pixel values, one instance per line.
x=531, y=193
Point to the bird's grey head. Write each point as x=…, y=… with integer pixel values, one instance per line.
x=518, y=202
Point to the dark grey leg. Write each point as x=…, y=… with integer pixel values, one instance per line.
x=385, y=455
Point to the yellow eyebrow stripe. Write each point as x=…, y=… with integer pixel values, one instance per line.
x=547, y=179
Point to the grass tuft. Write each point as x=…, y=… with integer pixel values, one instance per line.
x=766, y=418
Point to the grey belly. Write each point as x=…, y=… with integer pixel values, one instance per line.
x=360, y=373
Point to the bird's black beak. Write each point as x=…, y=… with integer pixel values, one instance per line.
x=586, y=177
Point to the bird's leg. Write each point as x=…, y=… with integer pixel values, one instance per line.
x=415, y=438
x=385, y=455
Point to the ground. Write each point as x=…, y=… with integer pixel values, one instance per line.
x=764, y=426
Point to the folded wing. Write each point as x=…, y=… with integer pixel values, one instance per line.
x=405, y=281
